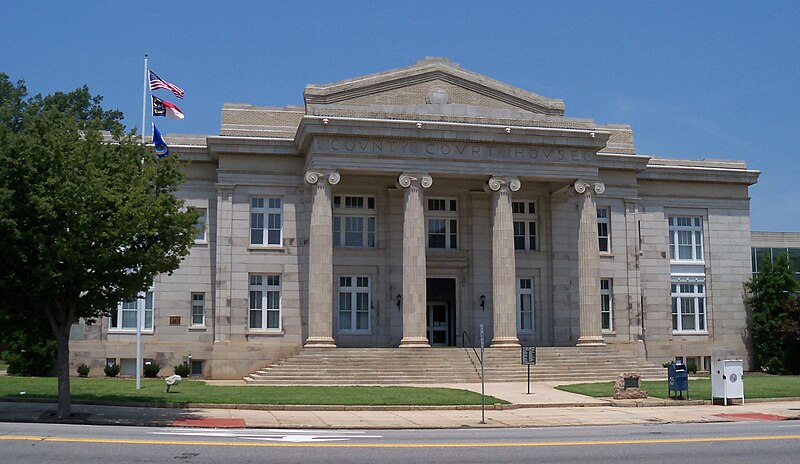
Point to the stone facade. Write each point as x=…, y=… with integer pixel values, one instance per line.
x=404, y=208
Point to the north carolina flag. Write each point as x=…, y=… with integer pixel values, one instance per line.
x=165, y=108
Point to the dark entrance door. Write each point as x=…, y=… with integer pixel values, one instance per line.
x=441, y=313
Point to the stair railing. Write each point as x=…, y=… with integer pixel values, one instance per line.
x=464, y=337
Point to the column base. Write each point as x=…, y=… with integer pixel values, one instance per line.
x=320, y=342
x=591, y=341
x=414, y=342
x=505, y=342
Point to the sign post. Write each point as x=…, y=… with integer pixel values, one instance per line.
x=483, y=390
x=529, y=358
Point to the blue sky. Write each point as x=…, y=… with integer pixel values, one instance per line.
x=694, y=79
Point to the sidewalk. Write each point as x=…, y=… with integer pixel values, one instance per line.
x=545, y=407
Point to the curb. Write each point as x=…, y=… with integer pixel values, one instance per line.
x=603, y=402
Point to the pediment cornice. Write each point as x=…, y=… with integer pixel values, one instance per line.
x=431, y=70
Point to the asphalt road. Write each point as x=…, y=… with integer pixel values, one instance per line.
x=751, y=442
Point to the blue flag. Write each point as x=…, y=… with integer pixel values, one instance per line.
x=162, y=149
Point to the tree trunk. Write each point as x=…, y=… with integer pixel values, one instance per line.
x=62, y=372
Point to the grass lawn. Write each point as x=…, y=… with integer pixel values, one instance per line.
x=196, y=391
x=755, y=386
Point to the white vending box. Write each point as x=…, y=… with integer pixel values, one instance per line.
x=726, y=380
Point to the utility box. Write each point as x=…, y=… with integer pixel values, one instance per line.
x=677, y=380
x=726, y=380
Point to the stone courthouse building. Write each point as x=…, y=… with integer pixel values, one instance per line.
x=404, y=208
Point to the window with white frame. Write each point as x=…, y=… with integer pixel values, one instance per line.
x=685, y=238
x=525, y=305
x=124, y=317
x=201, y=225
x=266, y=221
x=198, y=309
x=688, y=307
x=353, y=221
x=524, y=213
x=606, y=305
x=442, y=223
x=603, y=229
x=265, y=302
x=354, y=303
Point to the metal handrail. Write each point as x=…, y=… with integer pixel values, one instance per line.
x=464, y=335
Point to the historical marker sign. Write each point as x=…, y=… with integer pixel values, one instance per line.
x=529, y=355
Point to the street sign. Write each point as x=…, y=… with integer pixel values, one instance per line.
x=529, y=355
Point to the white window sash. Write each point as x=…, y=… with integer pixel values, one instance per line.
x=145, y=302
x=264, y=304
x=355, y=301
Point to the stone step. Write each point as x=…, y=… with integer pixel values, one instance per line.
x=352, y=366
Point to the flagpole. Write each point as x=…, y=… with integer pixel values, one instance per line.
x=144, y=97
x=138, y=303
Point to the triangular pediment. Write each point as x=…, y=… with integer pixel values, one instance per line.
x=432, y=85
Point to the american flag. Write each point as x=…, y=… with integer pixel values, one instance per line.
x=158, y=83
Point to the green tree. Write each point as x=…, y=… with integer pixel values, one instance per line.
x=86, y=219
x=770, y=290
x=789, y=331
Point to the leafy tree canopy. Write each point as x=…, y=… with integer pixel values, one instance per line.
x=771, y=290
x=87, y=219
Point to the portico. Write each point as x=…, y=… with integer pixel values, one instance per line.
x=454, y=166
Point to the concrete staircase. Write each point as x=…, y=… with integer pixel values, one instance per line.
x=566, y=364
x=368, y=366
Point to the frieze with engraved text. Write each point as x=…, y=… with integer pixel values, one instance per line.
x=458, y=150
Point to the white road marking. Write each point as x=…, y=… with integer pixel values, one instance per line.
x=290, y=436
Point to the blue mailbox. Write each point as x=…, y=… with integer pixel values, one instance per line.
x=678, y=380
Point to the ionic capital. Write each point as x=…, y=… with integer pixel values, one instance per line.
x=406, y=180
x=333, y=177
x=584, y=187
x=495, y=184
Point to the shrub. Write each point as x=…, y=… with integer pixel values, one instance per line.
x=30, y=355
x=83, y=370
x=151, y=370
x=111, y=370
x=182, y=369
x=692, y=368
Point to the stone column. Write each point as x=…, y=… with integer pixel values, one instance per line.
x=320, y=261
x=504, y=267
x=414, y=299
x=588, y=265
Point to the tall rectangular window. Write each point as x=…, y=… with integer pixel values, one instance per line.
x=606, y=305
x=198, y=309
x=201, y=225
x=685, y=238
x=442, y=223
x=603, y=229
x=124, y=318
x=354, y=303
x=688, y=307
x=525, y=305
x=354, y=221
x=265, y=302
x=524, y=213
x=266, y=221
